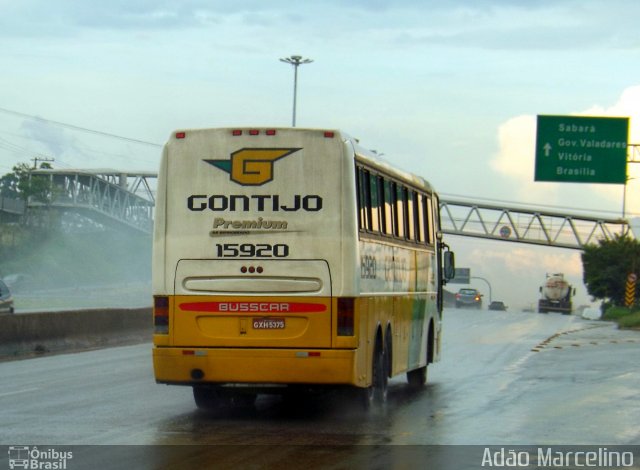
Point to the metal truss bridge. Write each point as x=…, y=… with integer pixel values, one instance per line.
x=527, y=225
x=126, y=199
x=109, y=197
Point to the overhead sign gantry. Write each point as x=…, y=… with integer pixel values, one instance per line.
x=581, y=149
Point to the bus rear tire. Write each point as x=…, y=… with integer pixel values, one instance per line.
x=376, y=393
x=417, y=377
x=206, y=398
x=380, y=379
x=366, y=397
x=243, y=400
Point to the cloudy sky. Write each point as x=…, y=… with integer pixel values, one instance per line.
x=447, y=89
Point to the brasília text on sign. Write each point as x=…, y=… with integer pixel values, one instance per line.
x=580, y=149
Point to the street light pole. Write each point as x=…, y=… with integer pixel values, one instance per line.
x=296, y=61
x=633, y=158
x=488, y=284
x=624, y=197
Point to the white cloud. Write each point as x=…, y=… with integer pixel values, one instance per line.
x=526, y=258
x=516, y=156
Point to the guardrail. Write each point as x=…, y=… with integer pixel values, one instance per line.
x=31, y=334
x=12, y=206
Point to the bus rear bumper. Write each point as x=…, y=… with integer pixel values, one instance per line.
x=191, y=366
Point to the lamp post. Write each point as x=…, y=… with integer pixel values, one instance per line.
x=634, y=153
x=296, y=61
x=487, y=282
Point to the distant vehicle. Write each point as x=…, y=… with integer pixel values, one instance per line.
x=468, y=298
x=497, y=305
x=556, y=295
x=17, y=282
x=6, y=301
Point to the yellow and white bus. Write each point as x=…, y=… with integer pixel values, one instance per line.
x=288, y=258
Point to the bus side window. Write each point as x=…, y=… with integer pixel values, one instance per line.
x=374, y=198
x=411, y=216
x=429, y=220
x=367, y=199
x=387, y=200
x=399, y=226
x=419, y=217
x=437, y=223
x=424, y=219
x=420, y=234
x=362, y=204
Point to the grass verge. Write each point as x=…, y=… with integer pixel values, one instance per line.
x=626, y=318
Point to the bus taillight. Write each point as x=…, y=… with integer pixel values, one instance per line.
x=161, y=315
x=345, y=316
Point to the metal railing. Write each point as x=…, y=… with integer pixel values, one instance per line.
x=527, y=225
x=12, y=206
x=107, y=196
x=115, y=197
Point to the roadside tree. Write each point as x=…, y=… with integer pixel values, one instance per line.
x=607, y=265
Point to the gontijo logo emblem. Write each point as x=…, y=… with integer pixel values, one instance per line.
x=252, y=167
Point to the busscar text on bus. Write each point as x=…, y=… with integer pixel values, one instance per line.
x=289, y=259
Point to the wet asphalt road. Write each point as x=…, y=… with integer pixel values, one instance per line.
x=506, y=378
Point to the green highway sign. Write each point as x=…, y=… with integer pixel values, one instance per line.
x=462, y=276
x=579, y=149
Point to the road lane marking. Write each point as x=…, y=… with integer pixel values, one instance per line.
x=26, y=390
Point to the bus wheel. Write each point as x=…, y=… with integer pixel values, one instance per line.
x=380, y=378
x=244, y=400
x=376, y=394
x=206, y=398
x=366, y=397
x=417, y=377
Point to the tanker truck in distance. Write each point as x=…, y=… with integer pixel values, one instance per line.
x=556, y=295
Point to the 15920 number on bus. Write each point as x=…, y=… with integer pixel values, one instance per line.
x=249, y=250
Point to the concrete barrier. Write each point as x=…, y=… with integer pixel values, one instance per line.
x=51, y=332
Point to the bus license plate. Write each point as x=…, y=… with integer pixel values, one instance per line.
x=268, y=323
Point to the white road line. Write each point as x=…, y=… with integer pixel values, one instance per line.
x=26, y=390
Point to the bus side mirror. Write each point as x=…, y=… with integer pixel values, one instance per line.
x=449, y=265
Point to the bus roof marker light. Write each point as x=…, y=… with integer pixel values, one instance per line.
x=181, y=135
x=254, y=132
x=329, y=134
x=236, y=132
x=270, y=132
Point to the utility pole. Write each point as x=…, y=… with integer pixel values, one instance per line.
x=296, y=61
x=634, y=157
x=42, y=160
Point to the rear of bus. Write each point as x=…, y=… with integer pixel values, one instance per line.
x=251, y=274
